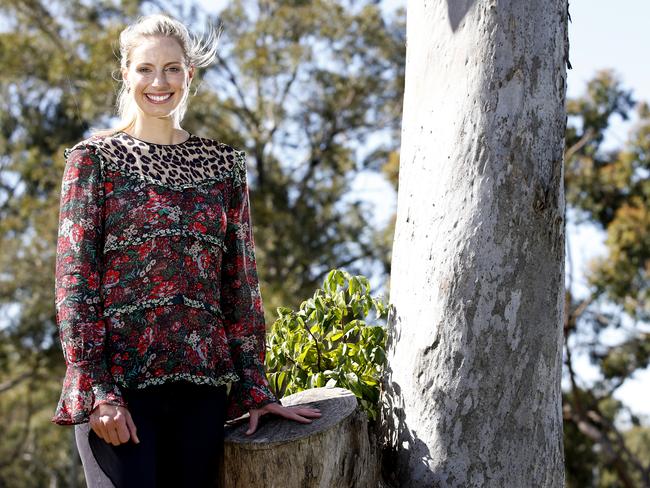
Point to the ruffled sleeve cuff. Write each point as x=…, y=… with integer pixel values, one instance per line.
x=248, y=395
x=85, y=386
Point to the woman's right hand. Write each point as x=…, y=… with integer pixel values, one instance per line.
x=113, y=424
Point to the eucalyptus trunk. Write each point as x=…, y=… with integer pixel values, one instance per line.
x=471, y=394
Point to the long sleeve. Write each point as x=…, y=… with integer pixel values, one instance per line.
x=242, y=304
x=79, y=313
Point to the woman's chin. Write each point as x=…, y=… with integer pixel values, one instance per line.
x=157, y=111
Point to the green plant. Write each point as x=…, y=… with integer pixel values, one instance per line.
x=327, y=342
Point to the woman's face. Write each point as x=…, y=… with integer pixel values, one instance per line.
x=157, y=76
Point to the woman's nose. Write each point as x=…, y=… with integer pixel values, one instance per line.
x=159, y=79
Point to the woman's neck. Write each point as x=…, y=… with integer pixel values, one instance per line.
x=157, y=133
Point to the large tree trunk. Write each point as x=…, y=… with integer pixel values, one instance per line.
x=472, y=389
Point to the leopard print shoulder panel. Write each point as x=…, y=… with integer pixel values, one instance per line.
x=195, y=162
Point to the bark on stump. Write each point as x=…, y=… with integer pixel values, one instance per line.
x=333, y=450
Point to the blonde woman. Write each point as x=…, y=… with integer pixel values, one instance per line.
x=157, y=296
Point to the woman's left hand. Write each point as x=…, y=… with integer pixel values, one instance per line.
x=299, y=414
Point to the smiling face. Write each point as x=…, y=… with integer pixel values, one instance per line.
x=157, y=76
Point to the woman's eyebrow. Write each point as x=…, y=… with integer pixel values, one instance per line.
x=151, y=64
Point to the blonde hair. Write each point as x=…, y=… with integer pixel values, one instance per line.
x=197, y=52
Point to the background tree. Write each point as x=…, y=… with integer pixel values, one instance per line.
x=303, y=87
x=609, y=189
x=304, y=94
x=472, y=387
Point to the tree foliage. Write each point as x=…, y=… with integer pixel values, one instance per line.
x=300, y=86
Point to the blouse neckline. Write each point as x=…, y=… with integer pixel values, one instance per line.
x=129, y=136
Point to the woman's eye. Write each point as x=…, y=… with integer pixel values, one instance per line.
x=175, y=69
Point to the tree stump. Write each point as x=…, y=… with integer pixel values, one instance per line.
x=334, y=450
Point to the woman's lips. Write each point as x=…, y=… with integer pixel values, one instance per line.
x=158, y=99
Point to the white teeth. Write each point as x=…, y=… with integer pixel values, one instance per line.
x=158, y=98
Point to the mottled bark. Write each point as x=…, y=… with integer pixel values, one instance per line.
x=472, y=389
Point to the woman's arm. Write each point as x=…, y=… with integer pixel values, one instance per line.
x=87, y=382
x=242, y=305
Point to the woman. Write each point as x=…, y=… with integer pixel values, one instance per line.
x=157, y=295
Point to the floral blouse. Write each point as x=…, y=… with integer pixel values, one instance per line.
x=155, y=274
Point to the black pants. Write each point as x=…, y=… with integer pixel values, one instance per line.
x=180, y=427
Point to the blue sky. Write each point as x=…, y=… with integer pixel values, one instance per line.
x=607, y=34
x=602, y=34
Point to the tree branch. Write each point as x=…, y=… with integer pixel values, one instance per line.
x=8, y=385
x=584, y=140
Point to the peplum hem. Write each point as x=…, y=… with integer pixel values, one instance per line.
x=174, y=377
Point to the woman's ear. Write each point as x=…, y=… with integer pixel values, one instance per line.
x=190, y=74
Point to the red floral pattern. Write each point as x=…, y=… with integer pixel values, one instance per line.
x=156, y=282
